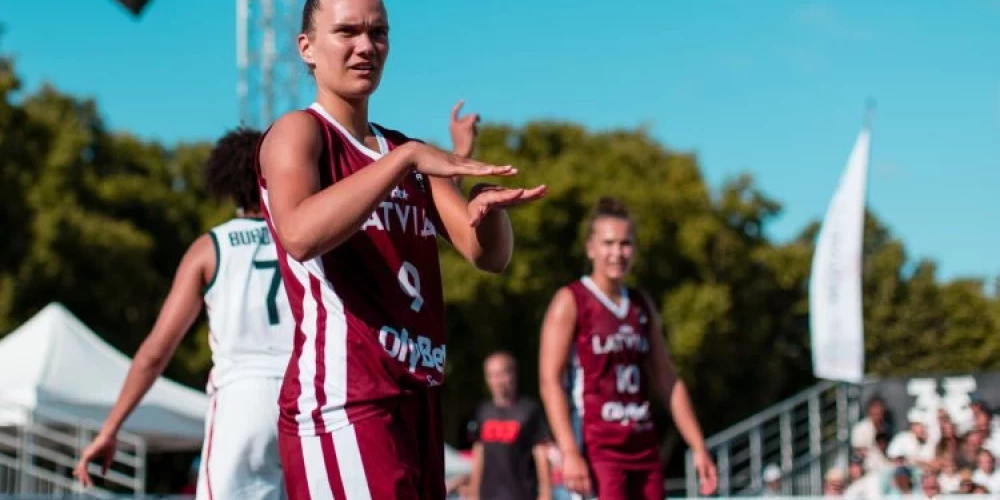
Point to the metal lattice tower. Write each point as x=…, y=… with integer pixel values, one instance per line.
x=272, y=77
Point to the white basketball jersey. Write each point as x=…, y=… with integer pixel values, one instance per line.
x=250, y=323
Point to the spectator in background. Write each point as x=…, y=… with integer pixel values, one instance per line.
x=949, y=479
x=864, y=432
x=876, y=458
x=930, y=487
x=510, y=458
x=986, y=473
x=833, y=482
x=913, y=445
x=966, y=486
x=772, y=481
x=901, y=482
x=984, y=424
x=977, y=406
x=861, y=485
x=948, y=443
x=968, y=455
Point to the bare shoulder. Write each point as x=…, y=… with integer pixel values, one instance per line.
x=298, y=121
x=295, y=133
x=563, y=305
x=199, y=260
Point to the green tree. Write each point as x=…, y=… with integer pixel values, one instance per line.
x=94, y=219
x=726, y=293
x=99, y=220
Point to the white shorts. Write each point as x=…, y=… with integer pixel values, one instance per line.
x=239, y=458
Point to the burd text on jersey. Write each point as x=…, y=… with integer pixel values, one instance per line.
x=256, y=236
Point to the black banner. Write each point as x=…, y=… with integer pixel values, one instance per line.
x=134, y=6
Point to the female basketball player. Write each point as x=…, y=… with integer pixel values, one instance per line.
x=356, y=210
x=606, y=341
x=232, y=272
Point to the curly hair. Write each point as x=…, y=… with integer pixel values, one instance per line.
x=231, y=169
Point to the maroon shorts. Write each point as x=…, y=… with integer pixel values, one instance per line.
x=612, y=482
x=396, y=455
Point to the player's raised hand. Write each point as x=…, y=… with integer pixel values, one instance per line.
x=103, y=448
x=486, y=197
x=463, y=131
x=431, y=161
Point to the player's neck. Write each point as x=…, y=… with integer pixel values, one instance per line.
x=611, y=288
x=352, y=115
x=255, y=214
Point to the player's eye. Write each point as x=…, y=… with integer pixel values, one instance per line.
x=346, y=30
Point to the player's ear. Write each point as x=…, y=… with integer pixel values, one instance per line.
x=306, y=50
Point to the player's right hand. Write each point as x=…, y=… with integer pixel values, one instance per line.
x=103, y=448
x=431, y=161
x=575, y=473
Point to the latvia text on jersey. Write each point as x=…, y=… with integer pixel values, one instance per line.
x=369, y=314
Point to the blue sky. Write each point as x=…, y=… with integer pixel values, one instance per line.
x=776, y=88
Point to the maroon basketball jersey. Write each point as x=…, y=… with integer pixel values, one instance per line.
x=369, y=314
x=608, y=376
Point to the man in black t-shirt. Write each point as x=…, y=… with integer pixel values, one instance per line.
x=510, y=455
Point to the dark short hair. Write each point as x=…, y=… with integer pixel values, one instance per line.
x=231, y=169
x=308, y=12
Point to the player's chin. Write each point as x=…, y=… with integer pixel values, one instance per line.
x=614, y=273
x=360, y=87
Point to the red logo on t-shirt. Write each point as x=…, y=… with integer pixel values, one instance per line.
x=500, y=431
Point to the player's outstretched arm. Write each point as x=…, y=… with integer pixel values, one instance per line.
x=674, y=395
x=179, y=312
x=310, y=221
x=478, y=227
x=556, y=342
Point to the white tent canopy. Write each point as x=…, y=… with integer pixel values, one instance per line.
x=54, y=364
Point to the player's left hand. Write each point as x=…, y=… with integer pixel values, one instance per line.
x=706, y=472
x=102, y=449
x=486, y=197
x=463, y=131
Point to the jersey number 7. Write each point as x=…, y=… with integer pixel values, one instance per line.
x=272, y=292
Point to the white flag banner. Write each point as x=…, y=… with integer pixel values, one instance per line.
x=835, y=314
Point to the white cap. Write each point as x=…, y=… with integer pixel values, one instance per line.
x=771, y=473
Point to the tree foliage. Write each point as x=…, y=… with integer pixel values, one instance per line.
x=98, y=220
x=94, y=219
